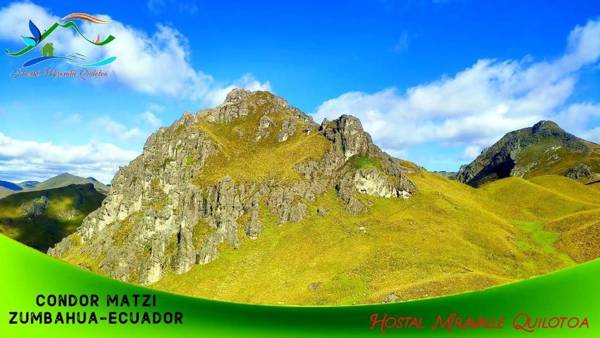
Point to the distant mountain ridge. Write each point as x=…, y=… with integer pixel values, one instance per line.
x=62, y=180
x=10, y=186
x=28, y=184
x=66, y=179
x=543, y=149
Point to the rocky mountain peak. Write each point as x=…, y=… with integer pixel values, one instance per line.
x=545, y=125
x=237, y=95
x=210, y=178
x=545, y=148
x=347, y=134
x=240, y=103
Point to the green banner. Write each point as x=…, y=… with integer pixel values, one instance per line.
x=44, y=297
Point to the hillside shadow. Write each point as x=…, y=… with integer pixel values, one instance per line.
x=40, y=219
x=40, y=232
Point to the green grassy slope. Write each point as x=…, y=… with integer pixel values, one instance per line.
x=524, y=200
x=563, y=185
x=570, y=292
x=579, y=234
x=64, y=211
x=448, y=238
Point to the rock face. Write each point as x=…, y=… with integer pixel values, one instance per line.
x=580, y=171
x=542, y=149
x=166, y=213
x=36, y=208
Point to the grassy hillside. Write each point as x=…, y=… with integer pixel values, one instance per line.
x=520, y=199
x=42, y=218
x=579, y=234
x=5, y=192
x=595, y=185
x=448, y=238
x=564, y=186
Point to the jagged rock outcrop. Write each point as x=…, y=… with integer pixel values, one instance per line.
x=543, y=149
x=580, y=171
x=164, y=213
x=347, y=135
x=36, y=207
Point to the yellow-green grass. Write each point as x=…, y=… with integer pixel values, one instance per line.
x=243, y=158
x=362, y=162
x=522, y=200
x=448, y=238
x=569, y=187
x=5, y=192
x=77, y=257
x=66, y=209
x=575, y=220
x=581, y=243
x=579, y=234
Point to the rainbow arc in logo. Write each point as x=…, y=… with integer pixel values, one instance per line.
x=77, y=59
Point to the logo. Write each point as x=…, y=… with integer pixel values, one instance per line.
x=42, y=40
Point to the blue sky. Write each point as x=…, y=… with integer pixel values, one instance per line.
x=433, y=81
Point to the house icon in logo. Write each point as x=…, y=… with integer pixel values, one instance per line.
x=48, y=49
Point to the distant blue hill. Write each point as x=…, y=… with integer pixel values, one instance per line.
x=29, y=184
x=10, y=186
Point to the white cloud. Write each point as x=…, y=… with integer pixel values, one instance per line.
x=156, y=63
x=116, y=129
x=16, y=16
x=471, y=152
x=577, y=116
x=477, y=105
x=42, y=160
x=151, y=119
x=217, y=96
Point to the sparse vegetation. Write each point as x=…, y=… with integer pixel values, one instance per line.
x=245, y=159
x=362, y=162
x=200, y=233
x=124, y=228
